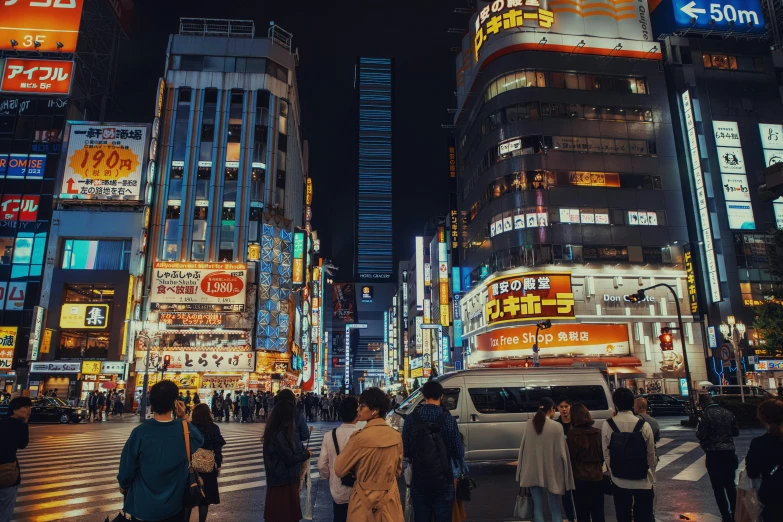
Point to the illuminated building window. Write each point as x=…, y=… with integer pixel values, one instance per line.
x=171, y=234
x=103, y=254
x=181, y=124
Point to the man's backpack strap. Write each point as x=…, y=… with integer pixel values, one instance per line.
x=612, y=425
x=442, y=419
x=334, y=438
x=639, y=426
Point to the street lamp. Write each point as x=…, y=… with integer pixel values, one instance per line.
x=638, y=297
x=541, y=325
x=737, y=331
x=145, y=385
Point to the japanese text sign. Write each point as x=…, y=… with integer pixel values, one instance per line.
x=47, y=22
x=104, y=162
x=84, y=316
x=7, y=344
x=15, y=207
x=562, y=339
x=198, y=361
x=529, y=296
x=21, y=166
x=50, y=77
x=198, y=283
x=691, y=282
x=503, y=15
x=194, y=319
x=91, y=367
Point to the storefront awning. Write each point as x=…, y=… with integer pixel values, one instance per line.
x=626, y=373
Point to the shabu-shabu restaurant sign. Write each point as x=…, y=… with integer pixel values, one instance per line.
x=198, y=286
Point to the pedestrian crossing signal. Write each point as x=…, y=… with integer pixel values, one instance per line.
x=666, y=339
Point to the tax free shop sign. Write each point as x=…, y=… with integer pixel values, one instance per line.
x=739, y=16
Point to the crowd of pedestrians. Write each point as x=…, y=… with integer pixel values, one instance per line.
x=101, y=405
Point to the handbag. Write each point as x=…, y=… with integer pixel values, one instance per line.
x=523, y=509
x=9, y=474
x=465, y=486
x=350, y=479
x=194, y=488
x=203, y=460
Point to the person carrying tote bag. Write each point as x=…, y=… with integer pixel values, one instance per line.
x=208, y=459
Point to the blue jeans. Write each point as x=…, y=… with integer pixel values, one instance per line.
x=7, y=502
x=432, y=509
x=537, y=493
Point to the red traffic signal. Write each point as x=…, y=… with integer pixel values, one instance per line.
x=666, y=339
x=166, y=362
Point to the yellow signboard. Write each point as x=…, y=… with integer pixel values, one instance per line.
x=7, y=344
x=91, y=367
x=46, y=344
x=84, y=316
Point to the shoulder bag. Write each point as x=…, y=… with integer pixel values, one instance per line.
x=523, y=509
x=465, y=483
x=194, y=488
x=350, y=479
x=9, y=474
x=203, y=460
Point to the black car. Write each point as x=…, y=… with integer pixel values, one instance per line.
x=659, y=404
x=50, y=409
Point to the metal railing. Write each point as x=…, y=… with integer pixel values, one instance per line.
x=216, y=27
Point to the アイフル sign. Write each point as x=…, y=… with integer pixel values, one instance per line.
x=50, y=77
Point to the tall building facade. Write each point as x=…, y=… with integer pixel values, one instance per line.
x=224, y=254
x=58, y=62
x=374, y=85
x=568, y=176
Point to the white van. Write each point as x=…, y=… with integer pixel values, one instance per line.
x=492, y=405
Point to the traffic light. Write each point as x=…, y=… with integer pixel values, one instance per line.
x=637, y=297
x=166, y=362
x=544, y=325
x=666, y=339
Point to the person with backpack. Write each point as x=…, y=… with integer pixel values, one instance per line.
x=374, y=455
x=629, y=453
x=765, y=459
x=432, y=441
x=212, y=449
x=716, y=430
x=334, y=440
x=543, y=464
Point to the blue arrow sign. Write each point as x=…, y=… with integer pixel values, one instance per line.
x=722, y=15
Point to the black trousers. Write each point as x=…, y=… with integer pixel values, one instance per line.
x=589, y=501
x=340, y=512
x=633, y=504
x=721, y=467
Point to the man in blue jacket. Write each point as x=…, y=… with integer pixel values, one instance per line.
x=153, y=467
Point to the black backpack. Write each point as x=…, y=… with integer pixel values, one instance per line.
x=628, y=452
x=432, y=472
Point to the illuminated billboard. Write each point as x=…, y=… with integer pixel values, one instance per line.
x=540, y=295
x=605, y=27
x=104, y=161
x=50, y=77
x=52, y=24
x=419, y=272
x=727, y=15
x=191, y=286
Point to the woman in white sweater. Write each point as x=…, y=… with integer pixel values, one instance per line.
x=544, y=465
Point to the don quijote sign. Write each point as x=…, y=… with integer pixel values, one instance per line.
x=625, y=300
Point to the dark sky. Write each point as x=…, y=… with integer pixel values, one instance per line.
x=330, y=35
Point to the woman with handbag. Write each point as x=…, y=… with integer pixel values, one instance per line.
x=544, y=465
x=587, y=460
x=765, y=459
x=284, y=454
x=154, y=466
x=207, y=459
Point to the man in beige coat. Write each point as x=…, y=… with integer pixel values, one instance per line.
x=374, y=454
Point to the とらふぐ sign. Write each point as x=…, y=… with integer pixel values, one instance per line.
x=196, y=284
x=539, y=295
x=104, y=161
x=50, y=77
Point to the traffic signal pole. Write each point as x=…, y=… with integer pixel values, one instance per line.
x=691, y=397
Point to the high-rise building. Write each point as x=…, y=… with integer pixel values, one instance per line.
x=569, y=178
x=229, y=195
x=374, y=85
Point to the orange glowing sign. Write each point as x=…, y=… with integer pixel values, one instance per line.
x=53, y=24
x=562, y=339
x=52, y=77
x=535, y=295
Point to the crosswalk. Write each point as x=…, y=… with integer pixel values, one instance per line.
x=73, y=477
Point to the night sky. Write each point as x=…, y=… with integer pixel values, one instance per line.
x=330, y=35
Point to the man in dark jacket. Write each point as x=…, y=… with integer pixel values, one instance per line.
x=92, y=402
x=716, y=430
x=14, y=436
x=100, y=404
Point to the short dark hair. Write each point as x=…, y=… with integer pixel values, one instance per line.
x=563, y=399
x=705, y=399
x=432, y=390
x=375, y=399
x=286, y=395
x=163, y=396
x=19, y=403
x=348, y=409
x=623, y=399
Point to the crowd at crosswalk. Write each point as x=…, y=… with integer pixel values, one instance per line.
x=73, y=476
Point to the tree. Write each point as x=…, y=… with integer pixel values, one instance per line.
x=769, y=316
